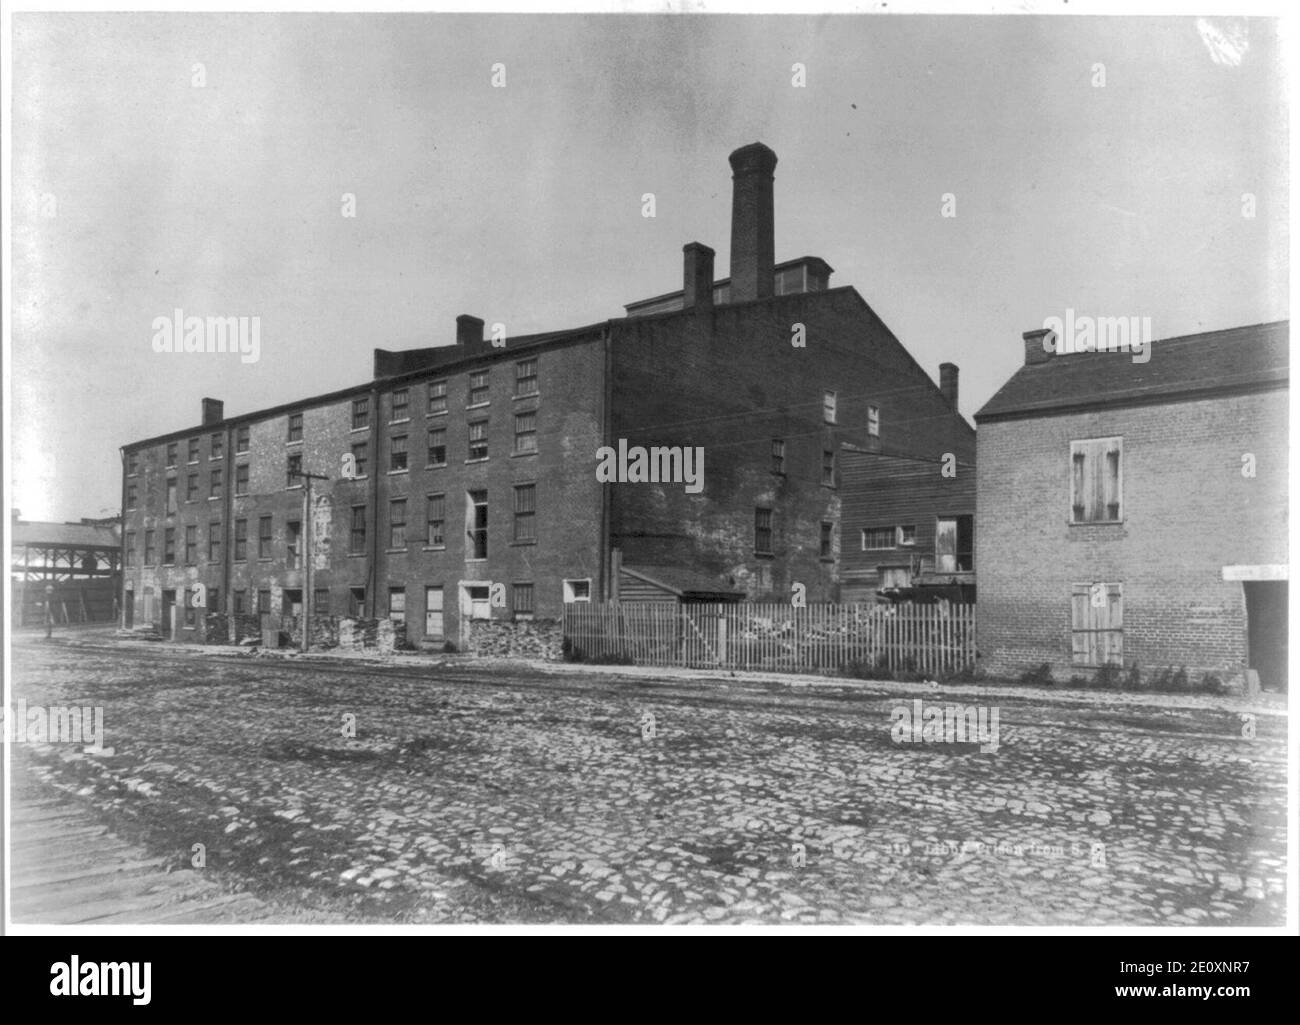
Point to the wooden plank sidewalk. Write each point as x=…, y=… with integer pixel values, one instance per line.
x=68, y=870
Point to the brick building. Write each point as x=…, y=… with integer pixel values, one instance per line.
x=476, y=463
x=1137, y=512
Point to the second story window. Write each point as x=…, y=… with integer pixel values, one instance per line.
x=778, y=455
x=131, y=496
x=360, y=413
x=192, y=487
x=476, y=524
x=292, y=542
x=150, y=551
x=214, y=483
x=401, y=404
x=525, y=433
x=214, y=540
x=437, y=521
x=128, y=549
x=478, y=388
x=878, y=539
x=437, y=447
x=171, y=494
x=191, y=545
x=193, y=454
x=264, y=537
x=526, y=512
x=873, y=421
x=828, y=467
x=397, y=523
x=293, y=471
x=478, y=440
x=169, y=546
x=762, y=531
x=358, y=530
x=132, y=463
x=828, y=407
x=526, y=377
x=397, y=453
x=295, y=427
x=241, y=540
x=241, y=479
x=824, y=545
x=217, y=445
x=241, y=438
x=171, y=453
x=1096, y=480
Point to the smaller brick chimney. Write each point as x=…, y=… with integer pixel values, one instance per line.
x=948, y=382
x=697, y=277
x=214, y=411
x=1034, y=351
x=469, y=330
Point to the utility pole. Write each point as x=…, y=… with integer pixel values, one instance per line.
x=49, y=611
x=306, y=554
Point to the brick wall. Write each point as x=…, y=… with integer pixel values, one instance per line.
x=1188, y=511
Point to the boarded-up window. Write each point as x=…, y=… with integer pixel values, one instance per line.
x=1095, y=480
x=1097, y=624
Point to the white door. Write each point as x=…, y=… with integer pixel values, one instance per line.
x=945, y=546
x=433, y=614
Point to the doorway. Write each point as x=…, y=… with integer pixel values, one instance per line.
x=168, y=603
x=475, y=603
x=1266, y=626
x=433, y=623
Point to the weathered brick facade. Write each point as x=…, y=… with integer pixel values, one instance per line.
x=1189, y=511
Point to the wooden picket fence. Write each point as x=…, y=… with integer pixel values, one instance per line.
x=934, y=639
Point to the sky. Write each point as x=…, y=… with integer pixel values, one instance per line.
x=136, y=191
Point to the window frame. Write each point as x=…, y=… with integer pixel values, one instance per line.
x=1082, y=447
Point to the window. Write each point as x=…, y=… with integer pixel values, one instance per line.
x=264, y=537
x=824, y=546
x=1095, y=481
x=192, y=487
x=397, y=604
x=263, y=602
x=828, y=467
x=360, y=413
x=293, y=471
x=778, y=455
x=437, y=447
x=357, y=602
x=191, y=545
x=241, y=603
x=577, y=590
x=241, y=479
x=401, y=404
x=478, y=441
x=476, y=523
x=397, y=523
x=525, y=432
x=169, y=546
x=241, y=540
x=132, y=463
x=762, y=531
x=149, y=551
x=193, y=450
x=878, y=539
x=358, y=544
x=295, y=427
x=241, y=439
x=292, y=542
x=171, y=494
x=128, y=549
x=478, y=388
x=437, y=521
x=214, y=483
x=828, y=407
x=397, y=453
x=1097, y=624
x=526, y=512
x=171, y=453
x=906, y=536
x=320, y=601
x=433, y=624
x=954, y=544
x=131, y=496
x=214, y=541
x=190, y=616
x=214, y=599
x=217, y=445
x=526, y=377
x=437, y=397
x=521, y=599
x=361, y=458
x=873, y=421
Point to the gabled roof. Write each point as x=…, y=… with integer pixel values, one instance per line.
x=1235, y=360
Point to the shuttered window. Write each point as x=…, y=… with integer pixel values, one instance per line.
x=1097, y=624
x=1095, y=480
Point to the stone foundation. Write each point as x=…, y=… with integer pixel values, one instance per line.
x=537, y=638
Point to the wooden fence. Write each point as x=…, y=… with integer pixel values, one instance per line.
x=933, y=639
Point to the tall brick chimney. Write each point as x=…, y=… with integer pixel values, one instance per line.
x=1034, y=351
x=469, y=330
x=753, y=243
x=948, y=382
x=697, y=277
x=214, y=411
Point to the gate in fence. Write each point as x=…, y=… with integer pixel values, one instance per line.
x=931, y=638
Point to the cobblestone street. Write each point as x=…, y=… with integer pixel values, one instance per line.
x=531, y=795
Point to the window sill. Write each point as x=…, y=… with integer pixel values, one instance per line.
x=441, y=412
x=294, y=441
x=483, y=559
x=517, y=455
x=479, y=405
x=434, y=466
x=359, y=477
x=434, y=548
x=394, y=551
x=764, y=555
x=293, y=487
x=396, y=473
x=483, y=459
x=522, y=544
x=215, y=459
x=359, y=430
x=356, y=555
x=214, y=498
x=531, y=395
x=404, y=420
x=1095, y=523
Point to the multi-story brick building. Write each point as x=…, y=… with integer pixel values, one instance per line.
x=476, y=464
x=1133, y=512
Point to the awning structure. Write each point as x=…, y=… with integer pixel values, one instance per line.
x=672, y=583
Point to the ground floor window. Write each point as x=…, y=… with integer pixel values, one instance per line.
x=397, y=604
x=1097, y=624
x=357, y=602
x=577, y=590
